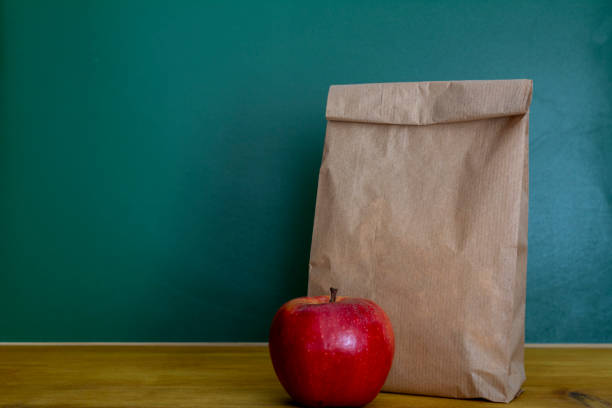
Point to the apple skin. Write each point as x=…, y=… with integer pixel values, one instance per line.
x=331, y=353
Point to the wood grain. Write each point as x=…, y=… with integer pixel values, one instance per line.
x=169, y=376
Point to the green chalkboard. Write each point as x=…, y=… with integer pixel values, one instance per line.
x=159, y=159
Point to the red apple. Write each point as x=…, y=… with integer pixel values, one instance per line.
x=330, y=351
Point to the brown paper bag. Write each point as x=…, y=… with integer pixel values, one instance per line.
x=422, y=207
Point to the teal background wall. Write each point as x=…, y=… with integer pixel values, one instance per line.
x=159, y=159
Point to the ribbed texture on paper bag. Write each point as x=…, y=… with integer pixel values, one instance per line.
x=422, y=207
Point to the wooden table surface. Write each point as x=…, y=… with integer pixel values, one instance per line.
x=210, y=376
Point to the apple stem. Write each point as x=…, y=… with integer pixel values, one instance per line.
x=332, y=298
